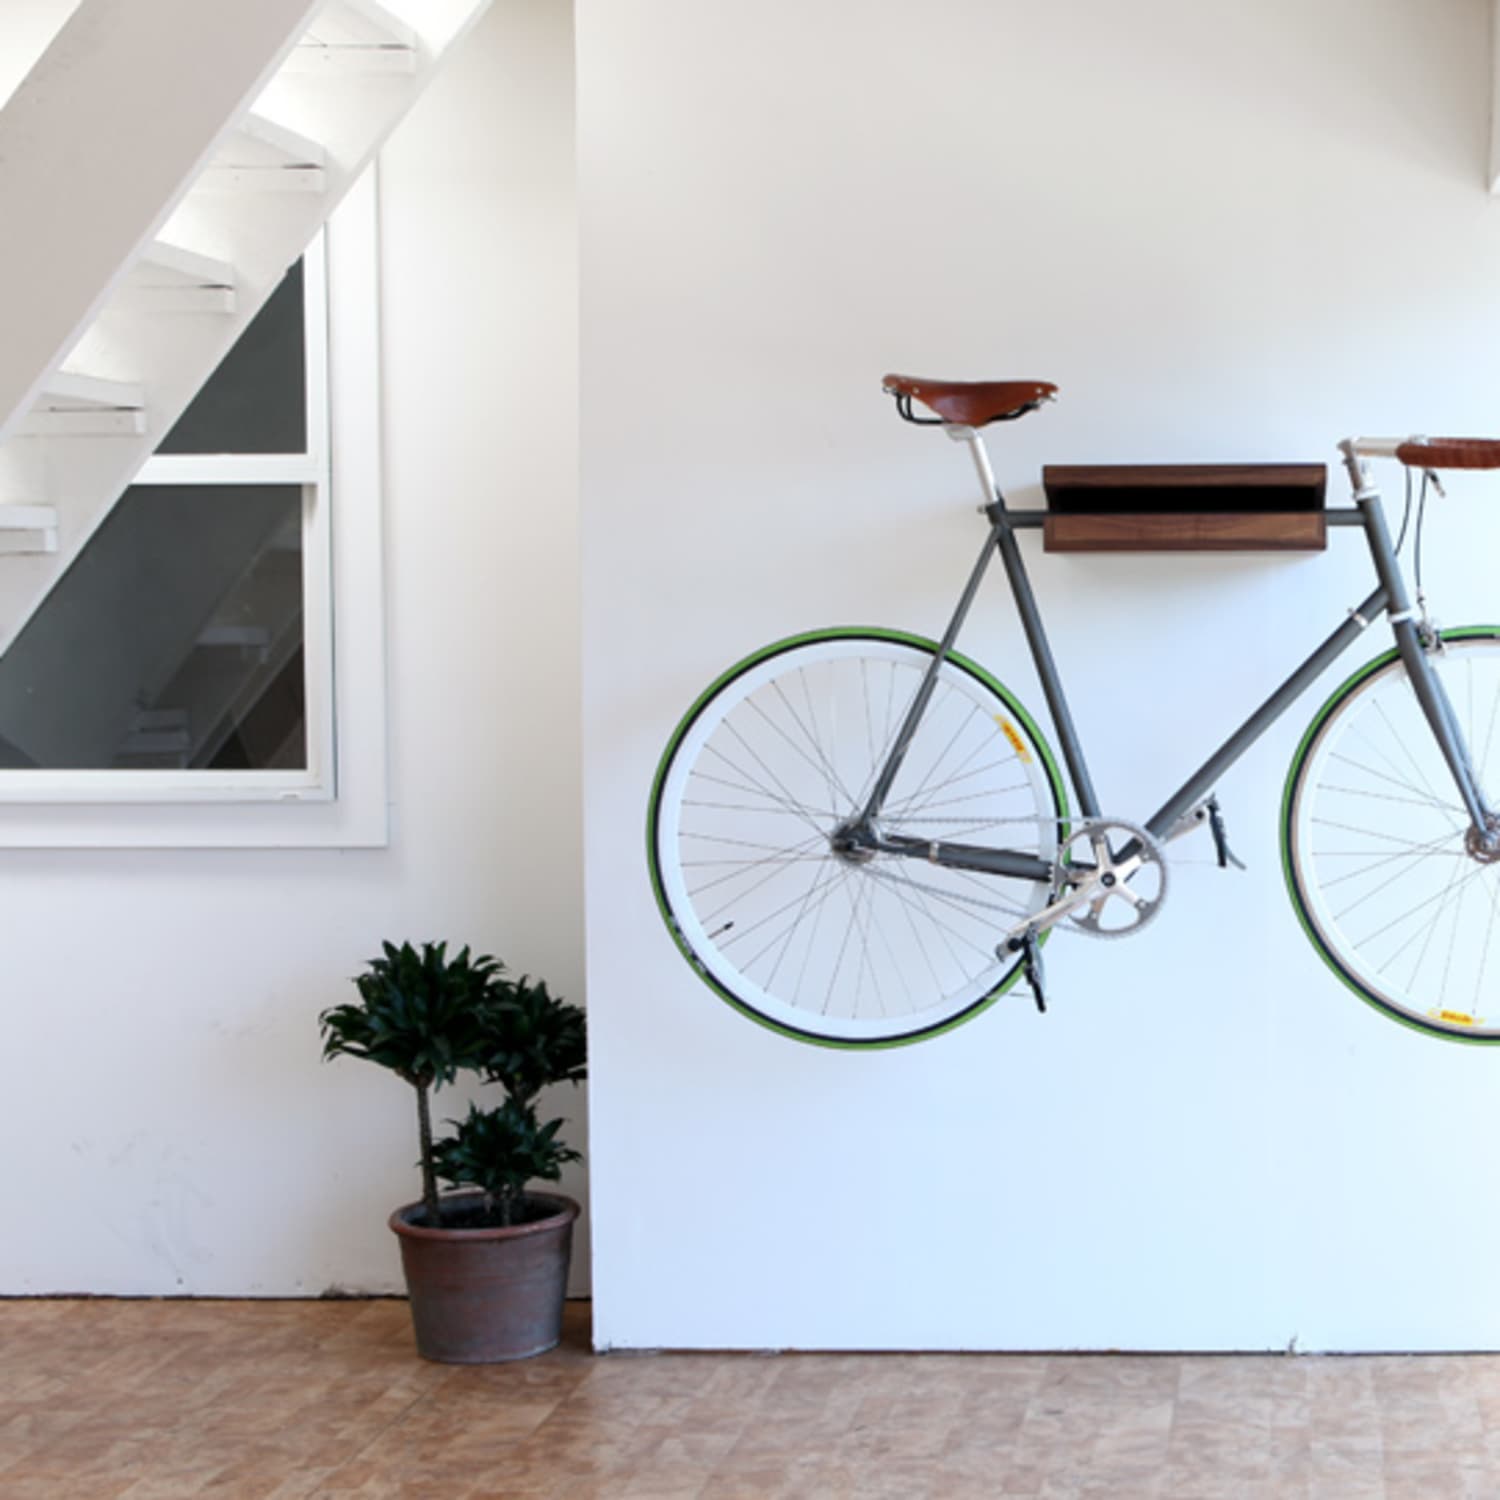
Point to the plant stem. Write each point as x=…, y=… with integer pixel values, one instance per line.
x=429, y=1176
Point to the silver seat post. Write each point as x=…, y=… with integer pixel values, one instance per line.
x=980, y=454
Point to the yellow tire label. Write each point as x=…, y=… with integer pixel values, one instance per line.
x=1013, y=734
x=1454, y=1017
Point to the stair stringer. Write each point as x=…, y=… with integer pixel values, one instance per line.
x=97, y=144
x=260, y=232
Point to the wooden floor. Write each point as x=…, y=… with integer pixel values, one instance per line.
x=104, y=1400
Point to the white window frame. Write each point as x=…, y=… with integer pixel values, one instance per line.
x=339, y=800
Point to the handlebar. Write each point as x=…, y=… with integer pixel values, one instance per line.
x=1428, y=453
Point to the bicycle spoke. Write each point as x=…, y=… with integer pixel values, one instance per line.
x=774, y=779
x=840, y=873
x=864, y=696
x=867, y=891
x=1380, y=849
x=916, y=904
x=1358, y=765
x=752, y=791
x=1458, y=913
x=963, y=905
x=838, y=963
x=1350, y=791
x=906, y=908
x=823, y=881
x=836, y=788
x=1406, y=750
x=1431, y=927
x=1428, y=851
x=1411, y=912
x=953, y=739
x=1384, y=885
x=893, y=725
x=783, y=798
x=1420, y=786
x=1489, y=933
x=820, y=942
x=991, y=902
x=829, y=871
x=1370, y=833
x=1489, y=733
x=983, y=883
x=772, y=867
x=721, y=838
x=790, y=812
x=818, y=761
x=899, y=810
x=739, y=934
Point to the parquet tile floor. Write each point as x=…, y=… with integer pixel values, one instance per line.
x=105, y=1400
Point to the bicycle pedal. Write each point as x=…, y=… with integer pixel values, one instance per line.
x=1221, y=837
x=1031, y=957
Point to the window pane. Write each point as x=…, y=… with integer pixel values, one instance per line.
x=256, y=401
x=174, y=640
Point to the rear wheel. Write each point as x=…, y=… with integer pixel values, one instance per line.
x=1392, y=889
x=823, y=945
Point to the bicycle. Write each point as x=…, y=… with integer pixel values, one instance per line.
x=814, y=821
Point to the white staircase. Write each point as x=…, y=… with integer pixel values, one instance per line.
x=169, y=160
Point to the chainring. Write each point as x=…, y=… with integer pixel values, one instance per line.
x=1112, y=879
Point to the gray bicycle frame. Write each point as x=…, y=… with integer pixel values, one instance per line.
x=1389, y=597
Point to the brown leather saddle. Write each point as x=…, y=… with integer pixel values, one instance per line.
x=968, y=403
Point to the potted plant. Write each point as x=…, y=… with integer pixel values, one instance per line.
x=486, y=1268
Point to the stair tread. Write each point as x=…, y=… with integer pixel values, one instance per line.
x=258, y=154
x=360, y=23
x=201, y=270
x=27, y=517
x=82, y=421
x=258, y=131
x=93, y=390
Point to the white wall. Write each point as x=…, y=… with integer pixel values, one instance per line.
x=1229, y=232
x=26, y=29
x=168, y=1127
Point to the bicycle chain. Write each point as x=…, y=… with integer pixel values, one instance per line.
x=1074, y=828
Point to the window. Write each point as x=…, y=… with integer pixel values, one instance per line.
x=177, y=685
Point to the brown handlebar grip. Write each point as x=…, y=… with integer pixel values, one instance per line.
x=1450, y=453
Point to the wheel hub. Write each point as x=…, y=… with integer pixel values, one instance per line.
x=1484, y=847
x=853, y=843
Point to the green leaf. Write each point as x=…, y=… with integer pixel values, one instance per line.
x=532, y=1039
x=421, y=1014
x=500, y=1150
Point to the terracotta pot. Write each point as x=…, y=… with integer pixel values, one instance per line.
x=481, y=1296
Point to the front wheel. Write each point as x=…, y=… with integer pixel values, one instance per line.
x=1394, y=893
x=839, y=947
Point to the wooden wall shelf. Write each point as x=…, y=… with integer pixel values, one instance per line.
x=1185, y=507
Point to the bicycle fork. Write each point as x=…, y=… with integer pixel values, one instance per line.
x=1431, y=695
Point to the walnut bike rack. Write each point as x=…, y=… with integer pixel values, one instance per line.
x=1185, y=507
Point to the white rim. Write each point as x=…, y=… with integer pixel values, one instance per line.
x=775, y=760
x=1378, y=846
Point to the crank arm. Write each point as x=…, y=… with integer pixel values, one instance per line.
x=1090, y=889
x=1051, y=915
